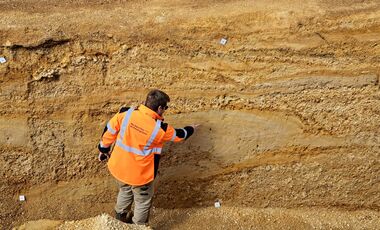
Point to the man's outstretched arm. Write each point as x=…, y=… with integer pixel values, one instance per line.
x=179, y=134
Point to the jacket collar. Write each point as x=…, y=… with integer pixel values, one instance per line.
x=149, y=112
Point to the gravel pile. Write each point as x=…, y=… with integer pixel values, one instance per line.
x=101, y=222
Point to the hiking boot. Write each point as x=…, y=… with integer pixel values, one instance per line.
x=125, y=217
x=128, y=217
x=121, y=216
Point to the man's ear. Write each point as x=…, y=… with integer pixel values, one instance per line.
x=160, y=110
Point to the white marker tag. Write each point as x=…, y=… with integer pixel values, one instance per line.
x=223, y=41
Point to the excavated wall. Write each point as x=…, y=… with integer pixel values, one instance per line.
x=289, y=107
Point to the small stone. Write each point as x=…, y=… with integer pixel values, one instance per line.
x=8, y=44
x=52, y=73
x=3, y=60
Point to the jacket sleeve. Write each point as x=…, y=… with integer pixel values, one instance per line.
x=177, y=135
x=110, y=133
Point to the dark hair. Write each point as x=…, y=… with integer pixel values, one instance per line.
x=155, y=99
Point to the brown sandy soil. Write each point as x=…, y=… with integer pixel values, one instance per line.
x=227, y=218
x=289, y=107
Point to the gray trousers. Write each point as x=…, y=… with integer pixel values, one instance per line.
x=141, y=195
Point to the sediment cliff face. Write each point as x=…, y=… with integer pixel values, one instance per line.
x=289, y=106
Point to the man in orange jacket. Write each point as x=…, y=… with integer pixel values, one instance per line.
x=138, y=135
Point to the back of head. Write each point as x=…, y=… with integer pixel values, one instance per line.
x=155, y=99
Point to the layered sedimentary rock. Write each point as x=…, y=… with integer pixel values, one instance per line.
x=289, y=106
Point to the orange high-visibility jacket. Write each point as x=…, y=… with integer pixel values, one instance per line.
x=138, y=136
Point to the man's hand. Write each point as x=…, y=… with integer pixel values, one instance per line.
x=104, y=152
x=103, y=156
x=195, y=126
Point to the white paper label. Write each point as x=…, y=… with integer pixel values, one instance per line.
x=223, y=41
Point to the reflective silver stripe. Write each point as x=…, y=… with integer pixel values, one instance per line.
x=146, y=151
x=174, y=135
x=154, y=134
x=124, y=124
x=103, y=145
x=137, y=151
x=110, y=129
x=185, y=133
